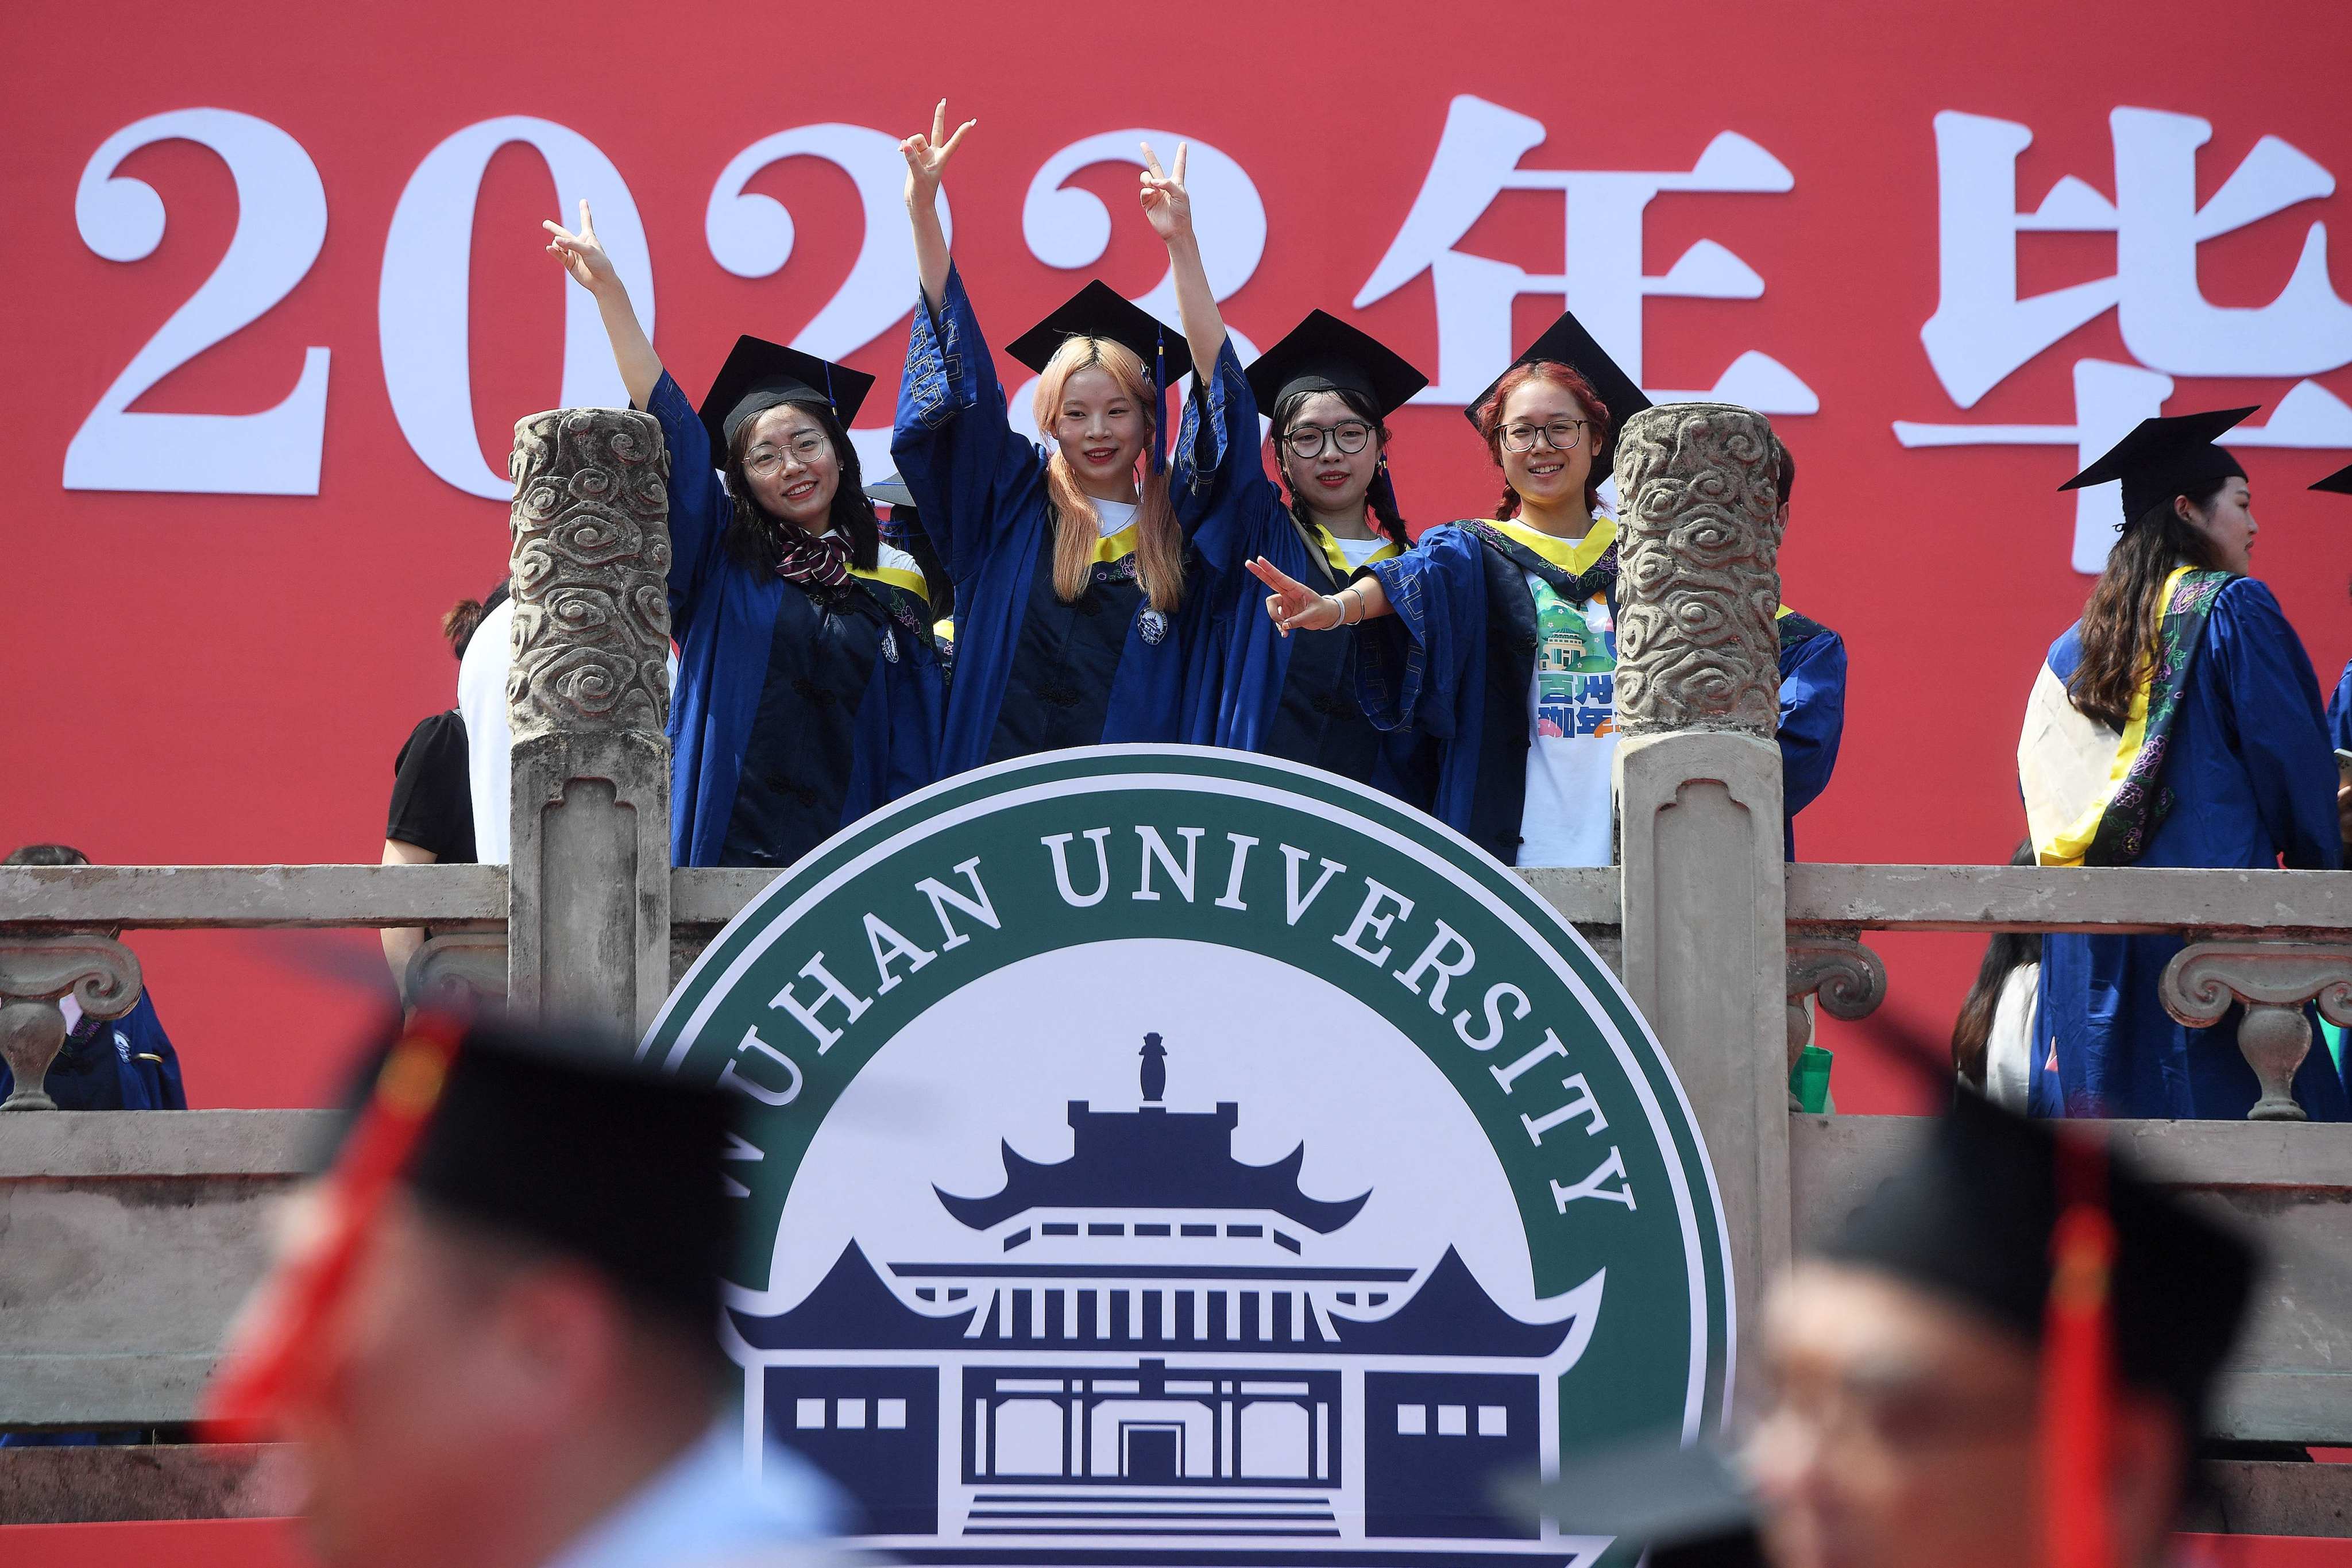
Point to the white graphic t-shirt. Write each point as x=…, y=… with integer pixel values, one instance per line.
x=1571, y=711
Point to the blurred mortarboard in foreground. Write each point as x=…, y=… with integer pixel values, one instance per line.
x=2166, y=456
x=1566, y=342
x=552, y=1136
x=1324, y=354
x=758, y=376
x=1971, y=1219
x=547, y=1136
x=1685, y=1505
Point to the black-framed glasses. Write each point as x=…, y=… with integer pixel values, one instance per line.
x=1562, y=434
x=1308, y=441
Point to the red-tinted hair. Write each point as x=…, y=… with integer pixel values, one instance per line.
x=1568, y=379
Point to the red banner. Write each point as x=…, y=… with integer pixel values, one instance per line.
x=278, y=295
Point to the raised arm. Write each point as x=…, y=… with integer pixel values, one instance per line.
x=926, y=161
x=700, y=507
x=585, y=259
x=1169, y=207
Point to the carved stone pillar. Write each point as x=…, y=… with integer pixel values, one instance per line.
x=588, y=923
x=34, y=970
x=2274, y=979
x=1698, y=794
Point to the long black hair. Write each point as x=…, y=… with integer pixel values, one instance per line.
x=756, y=538
x=2119, y=621
x=1380, y=498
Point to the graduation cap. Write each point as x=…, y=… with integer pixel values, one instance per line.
x=2341, y=481
x=890, y=492
x=1324, y=354
x=1566, y=342
x=1686, y=1505
x=758, y=376
x=2163, y=457
x=1098, y=311
x=548, y=1137
x=1976, y=1218
x=551, y=1136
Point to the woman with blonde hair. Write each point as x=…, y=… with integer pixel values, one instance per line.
x=1069, y=565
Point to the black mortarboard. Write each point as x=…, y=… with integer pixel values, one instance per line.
x=892, y=493
x=758, y=374
x=1971, y=1218
x=1098, y=311
x=2341, y=481
x=551, y=1137
x=1686, y=1505
x=1324, y=354
x=2164, y=458
x=1566, y=342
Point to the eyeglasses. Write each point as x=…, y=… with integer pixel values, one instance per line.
x=1892, y=1424
x=1310, y=440
x=1561, y=433
x=765, y=461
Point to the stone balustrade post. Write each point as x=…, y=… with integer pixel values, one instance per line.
x=2273, y=980
x=588, y=698
x=1697, y=777
x=101, y=973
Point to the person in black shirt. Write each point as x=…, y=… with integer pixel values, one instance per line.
x=431, y=820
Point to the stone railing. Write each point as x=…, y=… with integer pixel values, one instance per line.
x=126, y=1240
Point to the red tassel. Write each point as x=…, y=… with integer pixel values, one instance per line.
x=277, y=1335
x=2078, y=1364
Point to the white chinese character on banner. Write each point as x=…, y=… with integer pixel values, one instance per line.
x=1982, y=331
x=1601, y=276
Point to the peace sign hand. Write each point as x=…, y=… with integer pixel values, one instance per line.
x=926, y=156
x=1166, y=202
x=582, y=254
x=1293, y=605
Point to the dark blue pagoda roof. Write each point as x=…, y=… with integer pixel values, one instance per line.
x=853, y=1309
x=1152, y=1159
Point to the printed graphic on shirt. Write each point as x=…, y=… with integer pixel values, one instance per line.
x=1576, y=666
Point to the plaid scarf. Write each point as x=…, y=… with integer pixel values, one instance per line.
x=815, y=562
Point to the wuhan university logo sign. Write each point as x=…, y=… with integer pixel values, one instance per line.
x=1168, y=1151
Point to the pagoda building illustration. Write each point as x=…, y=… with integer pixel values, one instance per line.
x=1144, y=1349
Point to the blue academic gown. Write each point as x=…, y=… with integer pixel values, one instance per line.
x=1032, y=673
x=1458, y=658
x=2339, y=713
x=795, y=713
x=1252, y=689
x=119, y=1064
x=2252, y=782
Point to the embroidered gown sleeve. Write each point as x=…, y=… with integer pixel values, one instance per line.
x=700, y=506
x=1411, y=667
x=966, y=466
x=1219, y=489
x=2282, y=733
